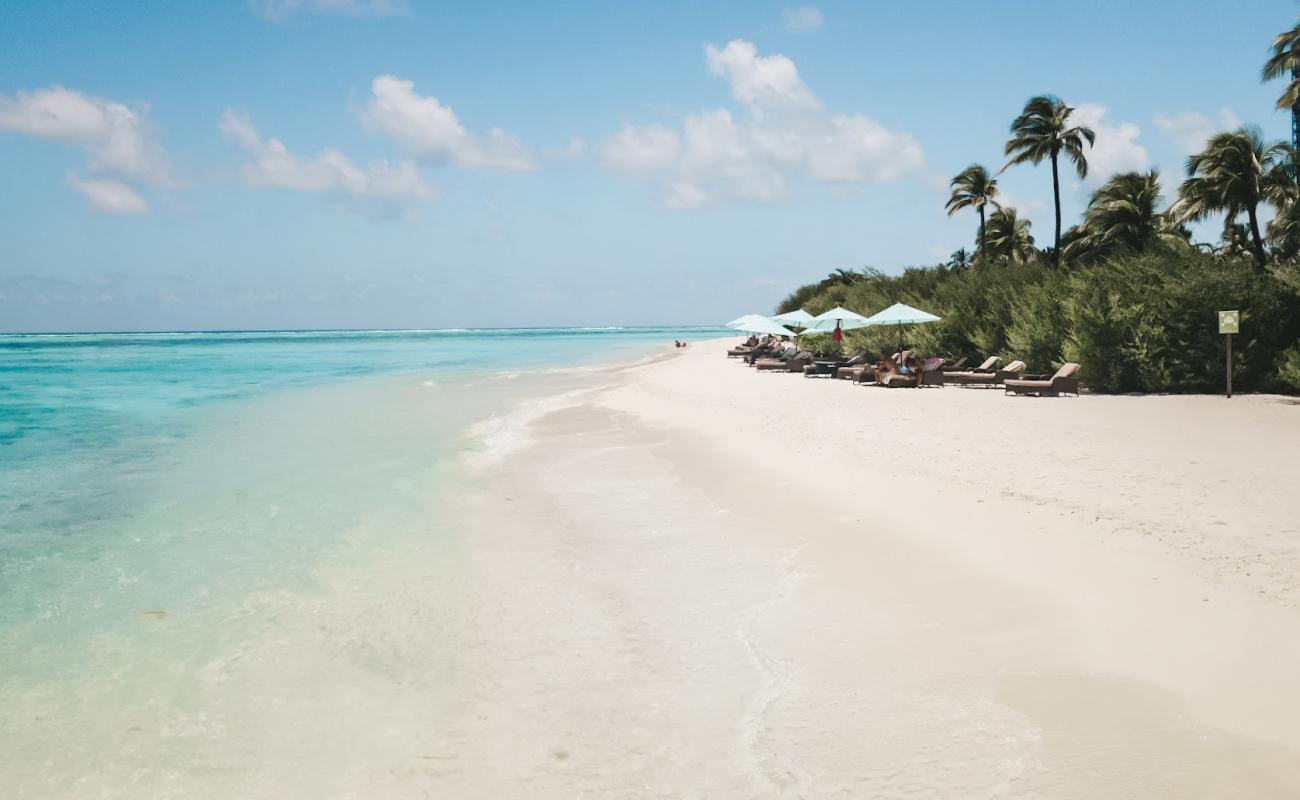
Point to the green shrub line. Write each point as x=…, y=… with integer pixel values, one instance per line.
x=1144, y=322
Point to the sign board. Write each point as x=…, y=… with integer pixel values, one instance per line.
x=1229, y=321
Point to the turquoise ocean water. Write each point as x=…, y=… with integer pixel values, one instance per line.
x=141, y=470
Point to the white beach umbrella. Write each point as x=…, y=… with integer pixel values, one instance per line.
x=838, y=318
x=798, y=317
x=740, y=320
x=757, y=324
x=901, y=314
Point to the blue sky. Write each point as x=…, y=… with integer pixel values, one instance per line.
x=403, y=163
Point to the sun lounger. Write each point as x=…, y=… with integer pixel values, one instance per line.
x=747, y=347
x=1065, y=381
x=765, y=351
x=957, y=365
x=870, y=371
x=854, y=369
x=987, y=379
x=931, y=374
x=832, y=368
x=794, y=363
x=989, y=365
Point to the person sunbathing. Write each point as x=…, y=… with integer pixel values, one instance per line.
x=886, y=366
x=909, y=365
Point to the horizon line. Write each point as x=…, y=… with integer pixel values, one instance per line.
x=354, y=330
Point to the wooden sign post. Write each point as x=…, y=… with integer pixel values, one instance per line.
x=1229, y=323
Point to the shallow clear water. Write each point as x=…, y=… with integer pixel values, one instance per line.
x=147, y=471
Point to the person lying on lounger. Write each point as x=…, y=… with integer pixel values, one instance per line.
x=903, y=366
x=886, y=366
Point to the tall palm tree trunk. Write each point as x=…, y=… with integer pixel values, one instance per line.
x=1256, y=242
x=1056, y=194
x=1295, y=113
x=979, y=237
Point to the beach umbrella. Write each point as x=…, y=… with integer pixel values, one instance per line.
x=834, y=321
x=757, y=324
x=746, y=318
x=799, y=317
x=901, y=314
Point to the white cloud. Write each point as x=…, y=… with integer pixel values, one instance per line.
x=119, y=142
x=1116, y=148
x=271, y=164
x=431, y=131
x=575, y=147
x=786, y=131
x=280, y=9
x=646, y=149
x=767, y=84
x=799, y=19
x=1190, y=130
x=111, y=196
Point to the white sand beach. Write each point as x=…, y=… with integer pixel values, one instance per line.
x=681, y=578
x=700, y=581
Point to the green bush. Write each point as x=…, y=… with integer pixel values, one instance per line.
x=1288, y=368
x=1143, y=322
x=1037, y=326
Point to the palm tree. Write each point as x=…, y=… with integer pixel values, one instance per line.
x=960, y=259
x=1285, y=62
x=1235, y=240
x=842, y=277
x=1234, y=173
x=973, y=188
x=1042, y=131
x=1008, y=237
x=1122, y=216
x=1284, y=232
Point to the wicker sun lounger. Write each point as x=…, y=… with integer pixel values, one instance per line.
x=767, y=351
x=989, y=365
x=929, y=375
x=1065, y=381
x=743, y=349
x=794, y=363
x=986, y=379
x=897, y=358
x=832, y=368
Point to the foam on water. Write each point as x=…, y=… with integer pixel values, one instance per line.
x=499, y=435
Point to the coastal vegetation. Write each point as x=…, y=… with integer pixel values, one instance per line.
x=1126, y=293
